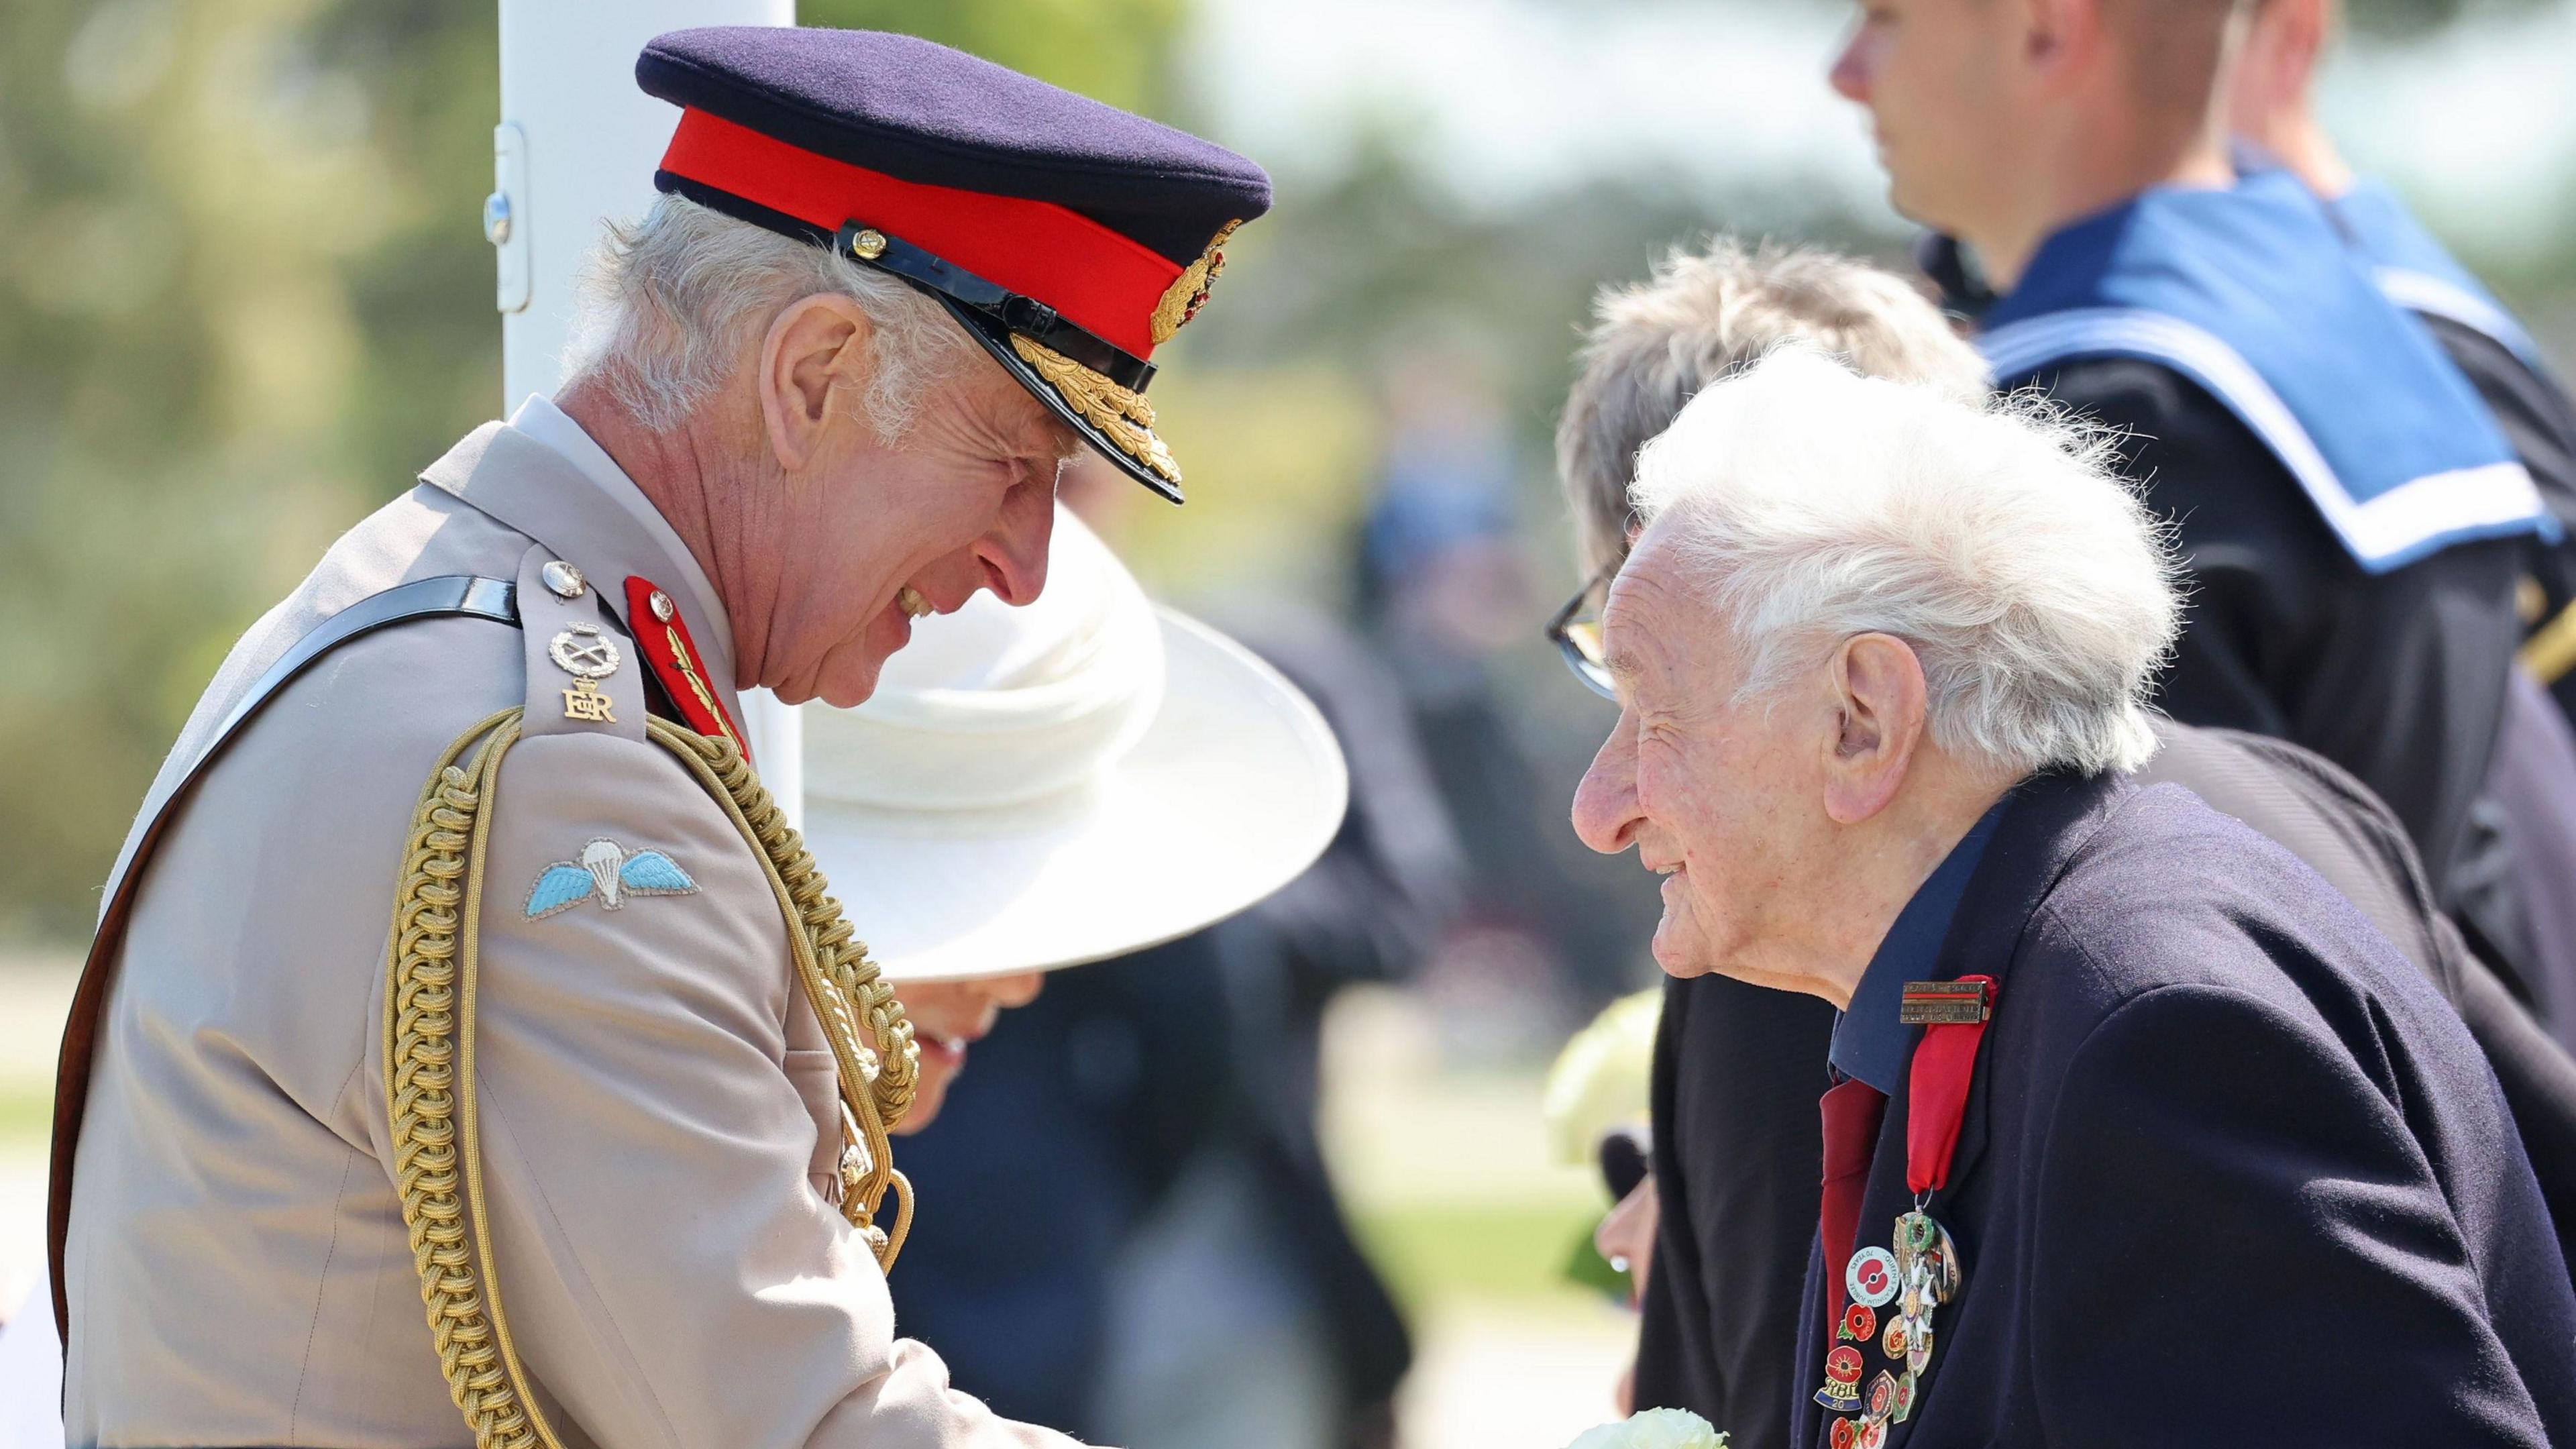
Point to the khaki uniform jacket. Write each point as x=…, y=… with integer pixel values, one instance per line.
x=660, y=1127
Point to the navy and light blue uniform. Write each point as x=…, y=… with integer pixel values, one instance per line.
x=2354, y=521
x=2533, y=781
x=2498, y=356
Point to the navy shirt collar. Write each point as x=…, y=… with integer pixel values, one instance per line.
x=1869, y=1042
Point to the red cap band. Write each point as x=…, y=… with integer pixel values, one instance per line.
x=1101, y=280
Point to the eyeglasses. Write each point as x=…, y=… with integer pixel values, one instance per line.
x=1576, y=632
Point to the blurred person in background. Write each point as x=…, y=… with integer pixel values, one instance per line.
x=1734, y=1131
x=1881, y=658
x=783, y=444
x=1145, y=1241
x=2355, y=522
x=1440, y=583
x=2272, y=109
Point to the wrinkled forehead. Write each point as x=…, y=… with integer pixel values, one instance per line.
x=1022, y=426
x=1652, y=625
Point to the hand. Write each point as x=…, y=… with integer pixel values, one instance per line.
x=1626, y=1236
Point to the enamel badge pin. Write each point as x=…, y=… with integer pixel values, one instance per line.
x=1905, y=1283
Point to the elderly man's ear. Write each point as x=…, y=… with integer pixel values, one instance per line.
x=816, y=349
x=1879, y=709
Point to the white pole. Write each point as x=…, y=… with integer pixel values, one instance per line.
x=576, y=146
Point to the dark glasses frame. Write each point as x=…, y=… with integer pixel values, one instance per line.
x=1578, y=638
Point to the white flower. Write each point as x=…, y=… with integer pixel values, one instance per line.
x=1654, y=1429
x=1600, y=1080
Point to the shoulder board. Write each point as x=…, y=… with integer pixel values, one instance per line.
x=583, y=676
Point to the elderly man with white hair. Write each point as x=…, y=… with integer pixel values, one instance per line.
x=467, y=1031
x=2139, y=1132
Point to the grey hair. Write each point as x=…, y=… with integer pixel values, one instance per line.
x=1805, y=504
x=673, y=304
x=1701, y=315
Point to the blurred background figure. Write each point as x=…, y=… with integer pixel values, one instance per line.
x=2356, y=523
x=1444, y=585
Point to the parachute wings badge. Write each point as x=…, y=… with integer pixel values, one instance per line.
x=608, y=871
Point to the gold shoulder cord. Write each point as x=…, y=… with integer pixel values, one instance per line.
x=429, y=1051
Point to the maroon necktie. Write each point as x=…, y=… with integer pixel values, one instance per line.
x=1852, y=1111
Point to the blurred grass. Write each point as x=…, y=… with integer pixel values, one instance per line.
x=25, y=1115
x=1434, y=1253
x=1446, y=1174
x=35, y=991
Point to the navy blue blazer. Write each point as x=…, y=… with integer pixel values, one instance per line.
x=2231, y=1172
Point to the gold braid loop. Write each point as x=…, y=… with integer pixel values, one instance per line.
x=1121, y=414
x=894, y=1065
x=429, y=1098
x=429, y=1052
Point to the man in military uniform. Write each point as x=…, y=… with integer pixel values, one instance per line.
x=457, y=957
x=2271, y=109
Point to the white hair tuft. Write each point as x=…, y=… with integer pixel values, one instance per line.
x=1806, y=504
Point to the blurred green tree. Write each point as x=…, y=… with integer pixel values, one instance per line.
x=1110, y=50
x=236, y=307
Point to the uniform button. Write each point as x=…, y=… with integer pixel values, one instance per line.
x=662, y=606
x=563, y=578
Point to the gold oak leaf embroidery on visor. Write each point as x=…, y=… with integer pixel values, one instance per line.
x=1121, y=414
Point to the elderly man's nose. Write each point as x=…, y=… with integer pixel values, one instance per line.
x=1605, y=803
x=1014, y=552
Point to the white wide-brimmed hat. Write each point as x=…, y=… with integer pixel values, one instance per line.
x=1042, y=786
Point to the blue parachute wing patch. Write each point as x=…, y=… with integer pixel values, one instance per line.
x=560, y=887
x=651, y=873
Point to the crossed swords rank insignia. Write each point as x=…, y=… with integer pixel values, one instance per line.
x=589, y=656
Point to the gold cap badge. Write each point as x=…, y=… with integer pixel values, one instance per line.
x=1189, y=291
